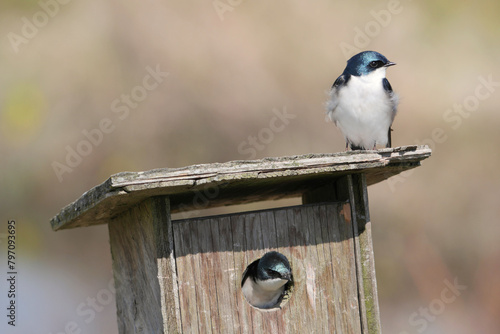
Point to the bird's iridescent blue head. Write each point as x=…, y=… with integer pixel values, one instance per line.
x=274, y=265
x=366, y=62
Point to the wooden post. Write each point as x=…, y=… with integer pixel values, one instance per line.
x=367, y=281
x=144, y=269
x=184, y=276
x=353, y=188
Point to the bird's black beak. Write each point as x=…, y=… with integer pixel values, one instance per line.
x=287, y=276
x=390, y=63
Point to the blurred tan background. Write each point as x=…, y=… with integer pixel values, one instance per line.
x=71, y=67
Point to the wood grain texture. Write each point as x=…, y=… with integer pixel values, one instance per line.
x=353, y=188
x=144, y=269
x=212, y=253
x=236, y=182
x=365, y=258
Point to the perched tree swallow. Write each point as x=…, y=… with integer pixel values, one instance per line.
x=362, y=104
x=264, y=280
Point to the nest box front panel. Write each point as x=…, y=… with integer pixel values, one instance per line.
x=211, y=254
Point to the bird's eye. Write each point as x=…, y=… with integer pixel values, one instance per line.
x=374, y=64
x=271, y=272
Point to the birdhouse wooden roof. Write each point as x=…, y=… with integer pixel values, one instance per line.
x=235, y=182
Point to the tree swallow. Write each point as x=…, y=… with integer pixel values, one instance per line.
x=362, y=104
x=264, y=280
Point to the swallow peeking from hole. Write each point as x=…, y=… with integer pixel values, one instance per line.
x=267, y=280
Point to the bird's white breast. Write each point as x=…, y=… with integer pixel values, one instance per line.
x=362, y=110
x=263, y=294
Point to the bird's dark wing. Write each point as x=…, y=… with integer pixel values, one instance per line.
x=390, y=93
x=387, y=86
x=332, y=102
x=251, y=270
x=342, y=81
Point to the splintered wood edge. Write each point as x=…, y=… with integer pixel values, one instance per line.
x=123, y=190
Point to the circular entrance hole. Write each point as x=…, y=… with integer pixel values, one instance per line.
x=267, y=282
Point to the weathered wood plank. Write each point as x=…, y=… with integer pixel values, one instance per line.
x=316, y=296
x=354, y=187
x=141, y=249
x=269, y=242
x=202, y=295
x=344, y=258
x=186, y=281
x=210, y=185
x=167, y=274
x=297, y=261
x=244, y=315
x=253, y=242
x=311, y=300
x=223, y=286
x=207, y=282
x=345, y=269
x=365, y=259
x=330, y=274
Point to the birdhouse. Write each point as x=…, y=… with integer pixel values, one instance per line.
x=184, y=276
